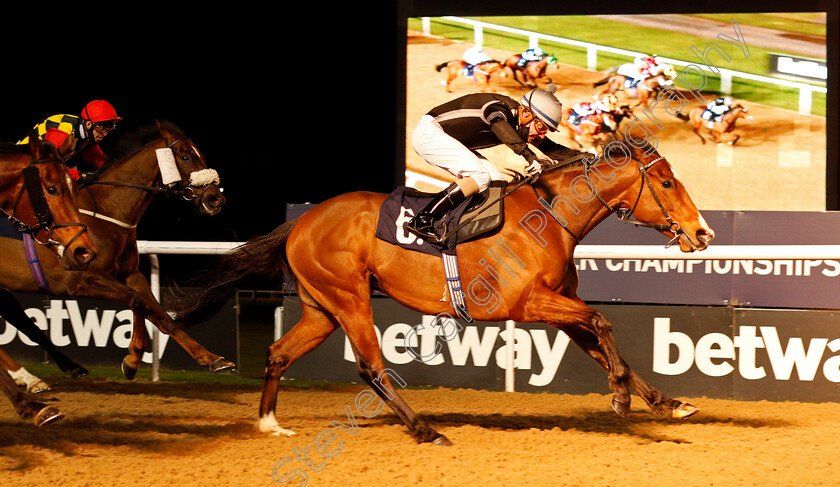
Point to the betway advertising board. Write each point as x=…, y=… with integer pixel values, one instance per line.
x=97, y=332
x=718, y=352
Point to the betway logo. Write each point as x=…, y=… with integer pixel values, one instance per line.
x=475, y=342
x=64, y=324
x=714, y=353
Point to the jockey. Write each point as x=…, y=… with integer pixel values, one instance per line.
x=606, y=103
x=73, y=135
x=449, y=135
x=533, y=54
x=716, y=108
x=638, y=70
x=645, y=64
x=475, y=55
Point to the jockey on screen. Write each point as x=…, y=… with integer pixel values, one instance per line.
x=606, y=103
x=533, y=54
x=716, y=108
x=475, y=55
x=449, y=135
x=74, y=135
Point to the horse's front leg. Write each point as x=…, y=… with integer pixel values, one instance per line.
x=544, y=305
x=91, y=284
x=158, y=316
x=658, y=402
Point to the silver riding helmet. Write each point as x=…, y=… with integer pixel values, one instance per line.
x=544, y=105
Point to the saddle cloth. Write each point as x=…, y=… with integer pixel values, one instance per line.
x=485, y=212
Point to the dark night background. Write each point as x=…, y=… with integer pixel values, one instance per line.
x=289, y=105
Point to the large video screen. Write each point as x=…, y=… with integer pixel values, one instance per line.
x=773, y=64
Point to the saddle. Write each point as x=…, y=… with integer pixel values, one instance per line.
x=479, y=215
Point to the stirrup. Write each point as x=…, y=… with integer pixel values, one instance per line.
x=426, y=232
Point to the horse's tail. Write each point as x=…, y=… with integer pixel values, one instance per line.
x=440, y=66
x=203, y=296
x=602, y=81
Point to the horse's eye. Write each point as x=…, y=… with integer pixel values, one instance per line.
x=667, y=184
x=52, y=190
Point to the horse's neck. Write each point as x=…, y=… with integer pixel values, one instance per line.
x=126, y=203
x=578, y=208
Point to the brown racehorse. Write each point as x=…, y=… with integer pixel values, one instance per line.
x=50, y=206
x=644, y=90
x=337, y=261
x=531, y=72
x=717, y=129
x=595, y=130
x=112, y=207
x=481, y=72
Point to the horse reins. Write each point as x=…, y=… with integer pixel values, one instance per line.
x=32, y=187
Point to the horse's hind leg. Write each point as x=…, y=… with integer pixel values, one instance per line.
x=357, y=322
x=313, y=328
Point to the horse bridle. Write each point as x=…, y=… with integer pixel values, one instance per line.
x=32, y=187
x=186, y=191
x=625, y=214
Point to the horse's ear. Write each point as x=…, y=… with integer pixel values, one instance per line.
x=165, y=130
x=36, y=146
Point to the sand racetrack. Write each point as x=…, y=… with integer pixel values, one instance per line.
x=126, y=434
x=144, y=433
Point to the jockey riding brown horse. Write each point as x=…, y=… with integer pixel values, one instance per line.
x=717, y=129
x=337, y=262
x=531, y=72
x=593, y=131
x=644, y=90
x=112, y=206
x=481, y=72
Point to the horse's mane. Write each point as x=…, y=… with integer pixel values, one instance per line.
x=130, y=143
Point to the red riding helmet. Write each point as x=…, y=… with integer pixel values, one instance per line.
x=99, y=111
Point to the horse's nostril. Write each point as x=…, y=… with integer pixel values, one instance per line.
x=703, y=236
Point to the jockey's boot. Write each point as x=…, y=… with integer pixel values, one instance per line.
x=422, y=224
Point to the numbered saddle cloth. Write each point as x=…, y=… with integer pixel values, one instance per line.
x=484, y=211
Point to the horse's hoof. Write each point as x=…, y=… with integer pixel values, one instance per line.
x=622, y=408
x=221, y=364
x=37, y=387
x=128, y=371
x=79, y=372
x=47, y=415
x=441, y=440
x=684, y=410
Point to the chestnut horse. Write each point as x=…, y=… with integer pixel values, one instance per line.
x=50, y=208
x=112, y=206
x=337, y=261
x=531, y=72
x=481, y=72
x=717, y=129
x=644, y=90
